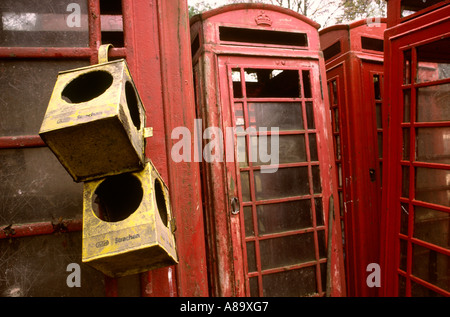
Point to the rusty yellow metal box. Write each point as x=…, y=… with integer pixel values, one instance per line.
x=127, y=223
x=95, y=121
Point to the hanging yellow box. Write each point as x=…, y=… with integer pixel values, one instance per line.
x=127, y=223
x=95, y=121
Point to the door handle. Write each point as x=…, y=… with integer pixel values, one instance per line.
x=372, y=174
x=235, y=206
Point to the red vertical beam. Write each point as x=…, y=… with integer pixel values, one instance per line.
x=184, y=177
x=95, y=39
x=143, y=58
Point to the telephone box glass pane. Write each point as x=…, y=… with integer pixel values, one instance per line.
x=290, y=149
x=35, y=187
x=251, y=258
x=248, y=220
x=319, y=211
x=37, y=267
x=310, y=115
x=404, y=213
x=284, y=116
x=409, y=7
x=236, y=80
x=407, y=67
x=245, y=186
x=432, y=103
x=407, y=105
x=431, y=266
x=291, y=215
x=288, y=250
x=286, y=182
x=418, y=290
x=25, y=89
x=432, y=226
x=242, y=151
x=433, y=185
x=433, y=62
x=277, y=83
x=433, y=145
x=405, y=181
x=406, y=141
x=301, y=282
x=403, y=254
x=313, y=147
x=51, y=23
x=254, y=288
x=317, y=186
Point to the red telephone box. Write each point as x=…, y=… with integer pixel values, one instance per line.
x=41, y=206
x=258, y=71
x=416, y=175
x=353, y=56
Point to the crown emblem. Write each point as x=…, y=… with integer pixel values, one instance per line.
x=263, y=19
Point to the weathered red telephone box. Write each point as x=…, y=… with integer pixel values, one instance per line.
x=353, y=56
x=40, y=205
x=416, y=174
x=260, y=79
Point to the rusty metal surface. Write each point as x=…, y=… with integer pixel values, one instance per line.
x=94, y=115
x=142, y=241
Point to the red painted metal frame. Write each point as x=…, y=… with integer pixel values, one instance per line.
x=156, y=47
x=352, y=69
x=253, y=203
x=212, y=67
x=425, y=26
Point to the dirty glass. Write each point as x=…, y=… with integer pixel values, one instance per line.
x=37, y=266
x=433, y=185
x=288, y=250
x=286, y=182
x=284, y=116
x=25, y=90
x=281, y=217
x=45, y=23
x=35, y=187
x=245, y=186
x=433, y=145
x=313, y=147
x=406, y=141
x=432, y=103
x=248, y=221
x=432, y=226
x=251, y=258
x=406, y=105
x=290, y=149
x=293, y=283
x=431, y=266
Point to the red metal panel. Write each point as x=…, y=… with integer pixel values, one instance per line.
x=164, y=78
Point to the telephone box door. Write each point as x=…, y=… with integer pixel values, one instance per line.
x=280, y=173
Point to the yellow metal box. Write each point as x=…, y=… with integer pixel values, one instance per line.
x=127, y=223
x=95, y=121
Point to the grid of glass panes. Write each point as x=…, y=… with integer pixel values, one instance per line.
x=424, y=207
x=282, y=214
x=34, y=188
